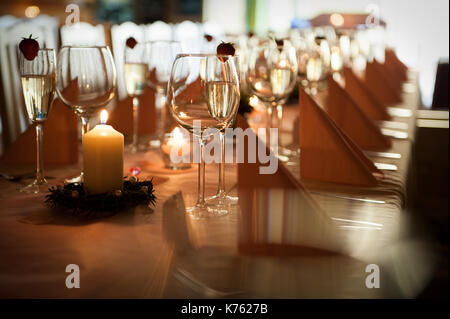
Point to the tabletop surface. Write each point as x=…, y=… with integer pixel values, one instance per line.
x=162, y=253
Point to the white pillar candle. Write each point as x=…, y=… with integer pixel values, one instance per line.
x=103, y=158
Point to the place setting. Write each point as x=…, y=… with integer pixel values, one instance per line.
x=273, y=154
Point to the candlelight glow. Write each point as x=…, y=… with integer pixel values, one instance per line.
x=283, y=63
x=183, y=115
x=337, y=19
x=253, y=101
x=103, y=116
x=32, y=11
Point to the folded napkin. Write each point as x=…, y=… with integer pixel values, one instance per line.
x=60, y=141
x=121, y=117
x=352, y=120
x=364, y=98
x=376, y=81
x=392, y=78
x=279, y=217
x=326, y=153
x=393, y=63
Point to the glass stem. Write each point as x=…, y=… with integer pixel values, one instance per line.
x=163, y=112
x=221, y=188
x=201, y=176
x=39, y=157
x=84, y=130
x=280, y=122
x=84, y=125
x=135, y=123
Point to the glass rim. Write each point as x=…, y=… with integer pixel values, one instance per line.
x=85, y=47
x=162, y=41
x=204, y=55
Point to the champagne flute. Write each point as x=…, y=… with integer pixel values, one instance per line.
x=272, y=75
x=218, y=78
x=38, y=78
x=86, y=82
x=161, y=55
x=136, y=72
x=198, y=104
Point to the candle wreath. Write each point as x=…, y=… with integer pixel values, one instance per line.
x=72, y=198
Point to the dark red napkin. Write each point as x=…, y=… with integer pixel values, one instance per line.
x=352, y=120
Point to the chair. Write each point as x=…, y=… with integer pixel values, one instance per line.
x=189, y=35
x=213, y=29
x=50, y=25
x=15, y=115
x=83, y=33
x=119, y=35
x=158, y=30
x=7, y=21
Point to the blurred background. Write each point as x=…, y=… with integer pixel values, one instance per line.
x=417, y=29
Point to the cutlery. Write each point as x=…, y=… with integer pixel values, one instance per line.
x=386, y=167
x=383, y=154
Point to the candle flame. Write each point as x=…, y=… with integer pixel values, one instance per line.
x=103, y=116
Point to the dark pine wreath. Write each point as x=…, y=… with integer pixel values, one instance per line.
x=72, y=199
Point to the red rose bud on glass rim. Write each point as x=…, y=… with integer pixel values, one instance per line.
x=131, y=42
x=29, y=48
x=208, y=37
x=225, y=49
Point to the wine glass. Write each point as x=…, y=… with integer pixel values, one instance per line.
x=201, y=98
x=271, y=75
x=161, y=55
x=136, y=72
x=215, y=73
x=86, y=82
x=38, y=78
x=314, y=71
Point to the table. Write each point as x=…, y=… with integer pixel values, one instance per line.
x=164, y=254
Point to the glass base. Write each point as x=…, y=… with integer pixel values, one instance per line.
x=203, y=212
x=288, y=154
x=221, y=201
x=36, y=187
x=76, y=179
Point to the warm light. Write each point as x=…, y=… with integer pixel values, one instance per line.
x=32, y=11
x=336, y=59
x=258, y=86
x=177, y=135
x=283, y=63
x=253, y=101
x=183, y=115
x=103, y=116
x=337, y=19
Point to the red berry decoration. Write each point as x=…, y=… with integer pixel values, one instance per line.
x=29, y=48
x=225, y=49
x=208, y=37
x=131, y=42
x=279, y=43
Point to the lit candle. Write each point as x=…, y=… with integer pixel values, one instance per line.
x=176, y=140
x=103, y=158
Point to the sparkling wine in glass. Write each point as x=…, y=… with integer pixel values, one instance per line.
x=135, y=72
x=38, y=78
x=271, y=76
x=86, y=82
x=222, y=95
x=202, y=98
